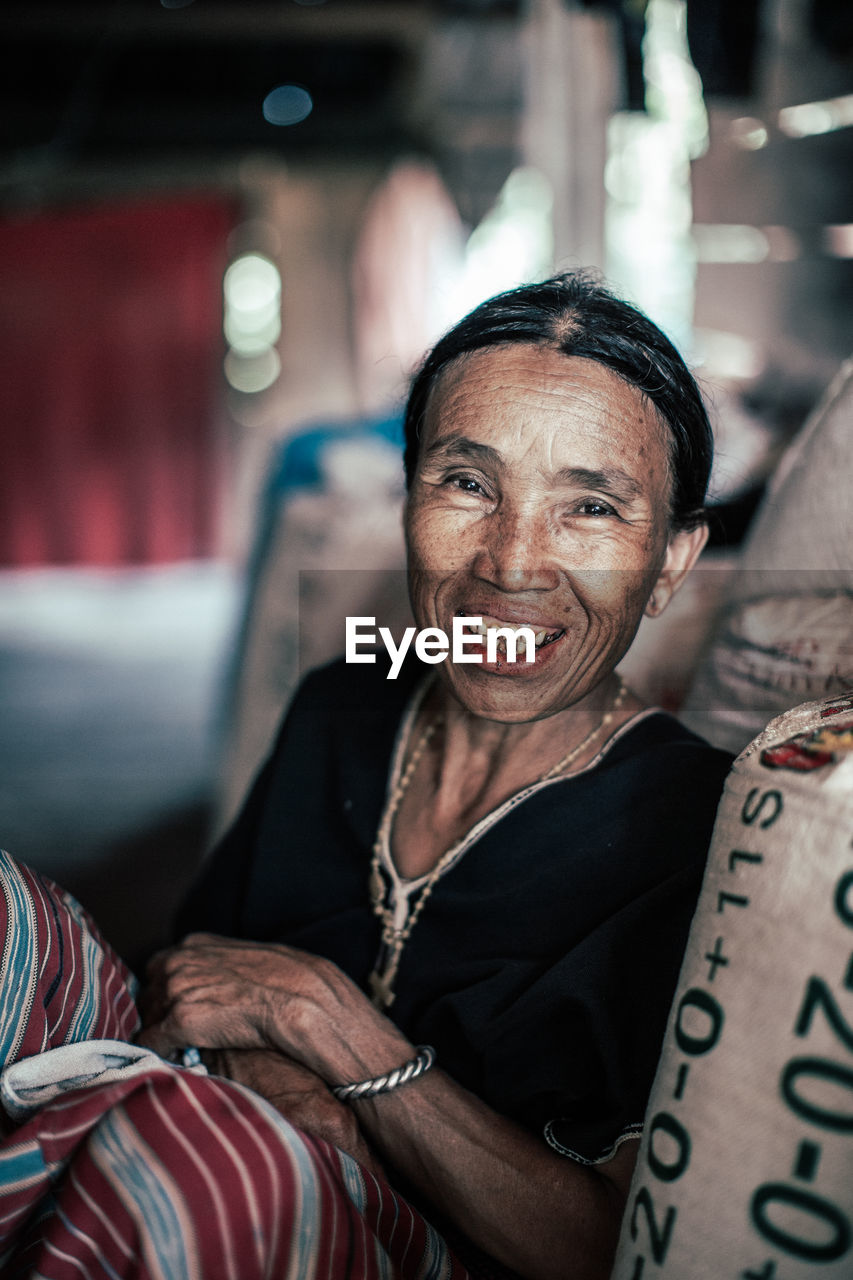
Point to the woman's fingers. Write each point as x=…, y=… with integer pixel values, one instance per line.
x=216, y=992
x=207, y=1015
x=207, y=993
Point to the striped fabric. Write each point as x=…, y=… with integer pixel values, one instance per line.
x=59, y=980
x=167, y=1174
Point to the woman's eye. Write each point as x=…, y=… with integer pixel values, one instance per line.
x=596, y=507
x=468, y=484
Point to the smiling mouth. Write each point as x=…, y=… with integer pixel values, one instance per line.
x=542, y=636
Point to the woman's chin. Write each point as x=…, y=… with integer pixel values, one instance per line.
x=513, y=691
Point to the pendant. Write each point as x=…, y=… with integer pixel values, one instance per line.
x=382, y=982
x=380, y=989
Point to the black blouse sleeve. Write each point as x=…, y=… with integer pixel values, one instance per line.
x=599, y=1042
x=590, y=888
x=603, y=1007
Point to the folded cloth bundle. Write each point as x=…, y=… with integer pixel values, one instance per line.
x=118, y=1165
x=34, y=1082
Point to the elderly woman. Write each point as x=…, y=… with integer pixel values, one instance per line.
x=491, y=865
x=443, y=935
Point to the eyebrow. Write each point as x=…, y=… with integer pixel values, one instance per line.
x=611, y=480
x=461, y=447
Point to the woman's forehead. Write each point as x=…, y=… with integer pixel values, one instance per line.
x=522, y=386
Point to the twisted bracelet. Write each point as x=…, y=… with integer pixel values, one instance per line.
x=422, y=1061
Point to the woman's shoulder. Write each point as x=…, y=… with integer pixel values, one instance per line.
x=659, y=770
x=362, y=686
x=654, y=733
x=350, y=709
x=652, y=783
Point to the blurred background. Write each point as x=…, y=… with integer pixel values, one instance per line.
x=228, y=232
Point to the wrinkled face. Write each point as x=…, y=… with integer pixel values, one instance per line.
x=541, y=498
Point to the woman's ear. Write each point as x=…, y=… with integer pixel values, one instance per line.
x=682, y=552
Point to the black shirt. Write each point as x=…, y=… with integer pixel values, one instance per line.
x=543, y=966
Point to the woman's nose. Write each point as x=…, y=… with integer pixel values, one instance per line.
x=514, y=554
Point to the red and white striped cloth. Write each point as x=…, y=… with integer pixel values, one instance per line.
x=138, y=1169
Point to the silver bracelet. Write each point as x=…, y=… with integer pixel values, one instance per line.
x=422, y=1061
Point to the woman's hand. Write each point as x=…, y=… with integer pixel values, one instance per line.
x=270, y=1017
x=298, y=1094
x=502, y=1185
x=223, y=993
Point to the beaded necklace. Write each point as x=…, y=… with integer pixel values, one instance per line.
x=381, y=980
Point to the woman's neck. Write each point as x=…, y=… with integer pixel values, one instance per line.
x=472, y=765
x=468, y=744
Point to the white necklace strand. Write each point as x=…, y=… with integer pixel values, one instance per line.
x=381, y=980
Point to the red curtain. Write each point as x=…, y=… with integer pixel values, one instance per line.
x=110, y=357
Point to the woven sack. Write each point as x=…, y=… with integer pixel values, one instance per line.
x=746, y=1165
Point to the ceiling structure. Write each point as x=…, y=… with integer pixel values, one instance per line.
x=105, y=95
x=97, y=79
x=136, y=82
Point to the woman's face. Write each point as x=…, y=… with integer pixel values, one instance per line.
x=541, y=498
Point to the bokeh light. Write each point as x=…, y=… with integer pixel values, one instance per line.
x=808, y=119
x=730, y=242
x=838, y=240
x=288, y=104
x=252, y=290
x=251, y=374
x=749, y=134
x=252, y=322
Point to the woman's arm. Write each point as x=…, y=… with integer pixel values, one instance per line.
x=539, y=1213
x=298, y=1094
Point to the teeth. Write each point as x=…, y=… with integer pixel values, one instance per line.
x=540, y=634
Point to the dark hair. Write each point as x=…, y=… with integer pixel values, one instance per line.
x=575, y=314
